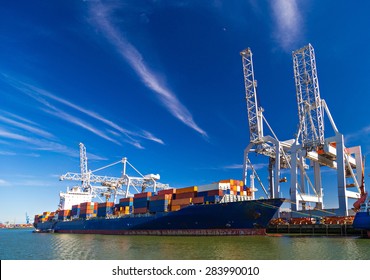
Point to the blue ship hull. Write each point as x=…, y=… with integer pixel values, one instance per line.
x=233, y=218
x=362, y=221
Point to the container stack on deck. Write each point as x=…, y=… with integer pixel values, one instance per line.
x=75, y=212
x=64, y=215
x=125, y=206
x=105, y=209
x=183, y=197
x=88, y=210
x=42, y=218
x=163, y=201
x=141, y=202
x=51, y=216
x=160, y=203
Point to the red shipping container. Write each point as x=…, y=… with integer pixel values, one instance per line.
x=144, y=194
x=127, y=199
x=168, y=191
x=186, y=195
x=215, y=192
x=182, y=201
x=198, y=200
x=140, y=210
x=105, y=204
x=161, y=197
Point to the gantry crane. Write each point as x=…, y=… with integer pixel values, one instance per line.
x=109, y=186
x=277, y=151
x=311, y=144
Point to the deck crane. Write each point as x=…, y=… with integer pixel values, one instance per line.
x=311, y=144
x=124, y=186
x=269, y=146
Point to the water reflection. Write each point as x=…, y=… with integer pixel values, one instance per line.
x=26, y=245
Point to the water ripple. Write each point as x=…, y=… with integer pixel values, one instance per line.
x=25, y=245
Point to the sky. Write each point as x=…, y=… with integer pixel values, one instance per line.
x=161, y=83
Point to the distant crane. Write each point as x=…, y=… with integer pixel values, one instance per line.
x=111, y=186
x=27, y=219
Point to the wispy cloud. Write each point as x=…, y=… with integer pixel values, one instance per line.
x=6, y=153
x=256, y=166
x=288, y=22
x=27, y=127
x=101, y=18
x=39, y=144
x=233, y=166
x=351, y=137
x=74, y=120
x=44, y=97
x=3, y=182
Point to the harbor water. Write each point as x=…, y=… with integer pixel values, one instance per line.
x=23, y=244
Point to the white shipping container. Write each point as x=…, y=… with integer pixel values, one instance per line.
x=214, y=186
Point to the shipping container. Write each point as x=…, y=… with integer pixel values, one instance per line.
x=182, y=201
x=141, y=195
x=105, y=204
x=126, y=200
x=186, y=190
x=161, y=197
x=159, y=205
x=185, y=195
x=198, y=200
x=175, y=207
x=213, y=192
x=140, y=210
x=168, y=191
x=211, y=199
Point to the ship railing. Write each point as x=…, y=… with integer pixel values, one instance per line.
x=233, y=198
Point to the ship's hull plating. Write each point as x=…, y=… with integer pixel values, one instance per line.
x=362, y=221
x=233, y=218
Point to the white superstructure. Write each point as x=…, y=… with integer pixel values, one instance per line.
x=73, y=197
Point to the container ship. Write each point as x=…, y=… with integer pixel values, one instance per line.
x=226, y=207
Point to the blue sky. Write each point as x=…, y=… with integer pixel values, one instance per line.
x=161, y=83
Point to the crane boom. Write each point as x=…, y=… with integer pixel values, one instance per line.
x=310, y=109
x=254, y=111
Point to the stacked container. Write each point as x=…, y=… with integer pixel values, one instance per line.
x=141, y=202
x=167, y=191
x=75, y=212
x=236, y=187
x=229, y=187
x=189, y=192
x=105, y=209
x=51, y=216
x=125, y=206
x=42, y=218
x=211, y=196
x=88, y=210
x=64, y=215
x=160, y=203
x=184, y=197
